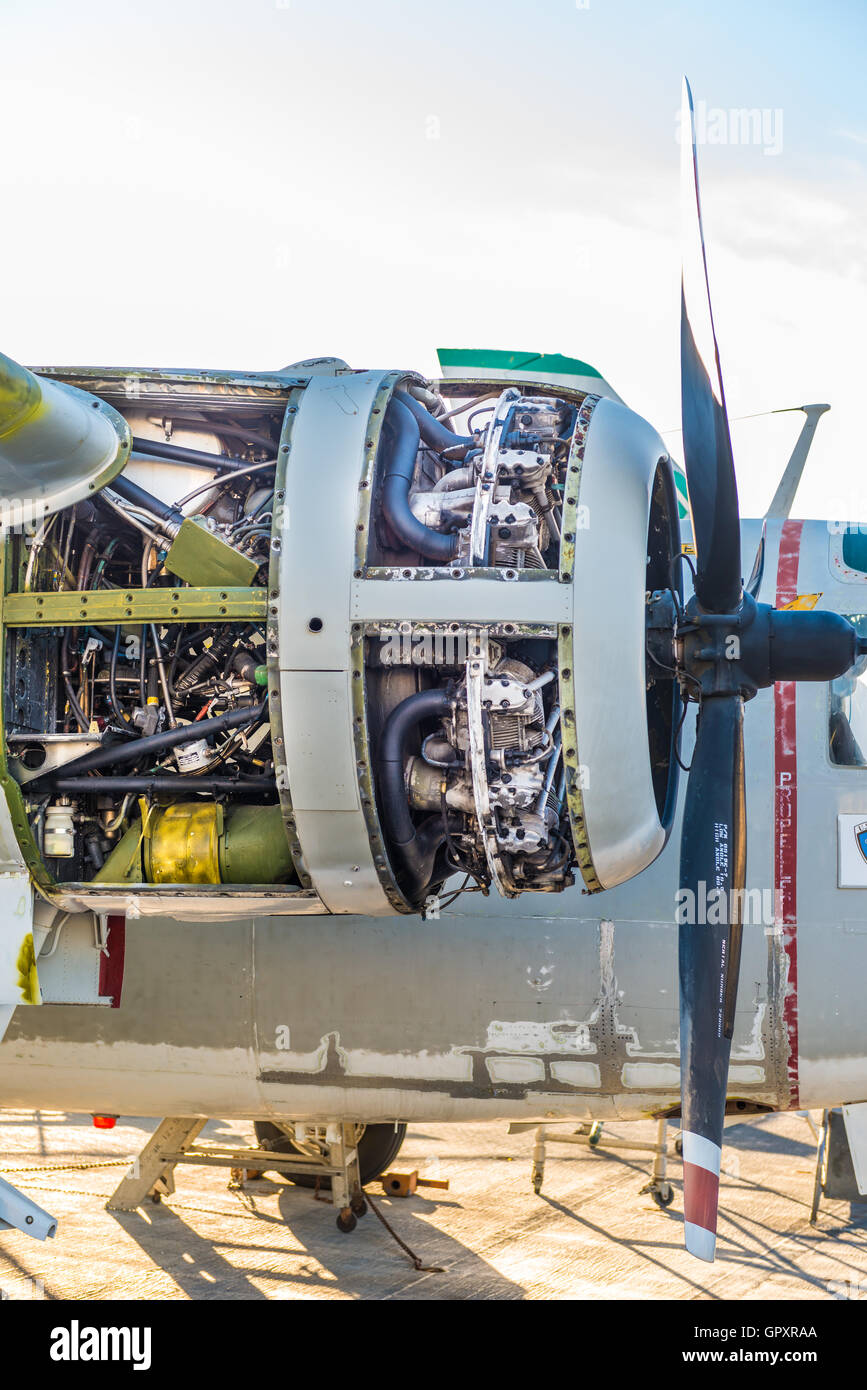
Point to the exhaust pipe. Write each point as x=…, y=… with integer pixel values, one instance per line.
x=58, y=445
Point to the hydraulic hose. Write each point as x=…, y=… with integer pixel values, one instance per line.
x=154, y=743
x=140, y=497
x=399, y=468
x=416, y=848
x=210, y=660
x=81, y=718
x=112, y=681
x=435, y=435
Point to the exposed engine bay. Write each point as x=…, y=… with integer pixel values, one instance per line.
x=143, y=750
x=146, y=711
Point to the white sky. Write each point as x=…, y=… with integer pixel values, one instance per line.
x=227, y=184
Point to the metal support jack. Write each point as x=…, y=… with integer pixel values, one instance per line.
x=839, y=1157
x=18, y=1212
x=590, y=1136
x=172, y=1143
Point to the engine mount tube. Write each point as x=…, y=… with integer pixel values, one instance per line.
x=179, y=453
x=396, y=483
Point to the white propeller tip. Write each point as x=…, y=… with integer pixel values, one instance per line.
x=700, y=1241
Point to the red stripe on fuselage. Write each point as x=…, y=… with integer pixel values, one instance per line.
x=111, y=961
x=786, y=805
x=700, y=1196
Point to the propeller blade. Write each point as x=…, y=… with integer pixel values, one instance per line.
x=757, y=573
x=712, y=865
x=707, y=449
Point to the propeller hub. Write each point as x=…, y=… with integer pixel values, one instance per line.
x=740, y=653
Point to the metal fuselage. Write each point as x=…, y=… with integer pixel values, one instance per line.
x=550, y=1006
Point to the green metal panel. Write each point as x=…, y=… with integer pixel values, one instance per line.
x=516, y=362
x=110, y=606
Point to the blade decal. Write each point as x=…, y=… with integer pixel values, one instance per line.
x=701, y=1165
x=701, y=1152
x=700, y=1197
x=786, y=807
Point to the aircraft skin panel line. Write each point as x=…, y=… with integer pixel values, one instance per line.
x=786, y=806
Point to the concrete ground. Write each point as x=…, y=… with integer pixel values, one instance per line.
x=588, y=1235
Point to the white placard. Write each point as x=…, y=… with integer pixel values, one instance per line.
x=851, y=857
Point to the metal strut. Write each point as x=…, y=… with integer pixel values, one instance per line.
x=172, y=1143
x=18, y=1212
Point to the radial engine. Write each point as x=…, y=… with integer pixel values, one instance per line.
x=326, y=639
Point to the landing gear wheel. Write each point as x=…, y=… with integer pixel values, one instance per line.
x=537, y=1182
x=678, y=1144
x=377, y=1150
x=663, y=1195
x=346, y=1222
x=359, y=1205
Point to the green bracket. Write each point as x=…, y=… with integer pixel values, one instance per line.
x=200, y=557
x=113, y=606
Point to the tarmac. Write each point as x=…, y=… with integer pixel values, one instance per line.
x=590, y=1234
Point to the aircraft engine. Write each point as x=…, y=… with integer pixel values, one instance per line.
x=323, y=639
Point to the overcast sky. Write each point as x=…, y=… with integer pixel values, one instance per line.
x=243, y=183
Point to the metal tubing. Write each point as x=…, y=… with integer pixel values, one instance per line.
x=177, y=453
x=140, y=497
x=417, y=848
x=435, y=435
x=153, y=743
x=397, y=479
x=185, y=786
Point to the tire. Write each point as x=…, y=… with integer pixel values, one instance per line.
x=377, y=1148
x=663, y=1196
